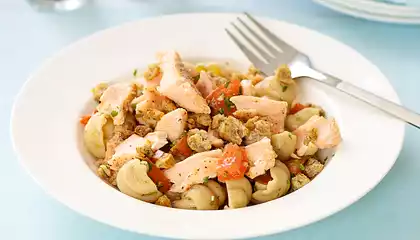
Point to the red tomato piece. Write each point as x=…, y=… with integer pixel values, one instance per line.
x=264, y=179
x=181, y=148
x=296, y=108
x=158, y=177
x=295, y=166
x=84, y=119
x=233, y=163
x=219, y=98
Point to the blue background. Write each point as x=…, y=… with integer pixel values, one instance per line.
x=27, y=38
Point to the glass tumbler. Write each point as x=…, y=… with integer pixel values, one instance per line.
x=56, y=5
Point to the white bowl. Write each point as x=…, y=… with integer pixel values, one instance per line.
x=46, y=132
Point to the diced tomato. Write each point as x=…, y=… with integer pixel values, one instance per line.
x=159, y=178
x=219, y=98
x=295, y=166
x=181, y=148
x=264, y=179
x=233, y=163
x=85, y=119
x=296, y=108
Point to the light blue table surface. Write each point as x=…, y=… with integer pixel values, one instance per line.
x=390, y=211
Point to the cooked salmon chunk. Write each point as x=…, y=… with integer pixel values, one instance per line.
x=127, y=150
x=173, y=123
x=274, y=110
x=116, y=100
x=204, y=84
x=177, y=85
x=193, y=170
x=261, y=157
x=322, y=132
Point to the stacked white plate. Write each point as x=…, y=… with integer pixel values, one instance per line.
x=408, y=13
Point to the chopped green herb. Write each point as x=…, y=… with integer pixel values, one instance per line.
x=134, y=105
x=135, y=72
x=150, y=166
x=206, y=179
x=301, y=167
x=290, y=135
x=221, y=111
x=114, y=113
x=196, y=78
x=285, y=88
x=228, y=103
x=105, y=170
x=227, y=83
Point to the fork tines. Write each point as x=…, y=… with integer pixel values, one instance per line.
x=259, y=44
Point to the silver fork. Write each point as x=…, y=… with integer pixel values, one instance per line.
x=270, y=57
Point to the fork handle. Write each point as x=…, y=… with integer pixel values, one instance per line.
x=383, y=104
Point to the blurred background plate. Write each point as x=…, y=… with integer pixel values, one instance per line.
x=376, y=11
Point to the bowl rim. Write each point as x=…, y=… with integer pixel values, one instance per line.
x=211, y=214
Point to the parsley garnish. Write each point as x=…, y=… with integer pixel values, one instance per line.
x=301, y=167
x=196, y=78
x=206, y=179
x=134, y=105
x=290, y=135
x=159, y=184
x=227, y=83
x=284, y=88
x=135, y=72
x=228, y=103
x=114, y=113
x=150, y=166
x=221, y=111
